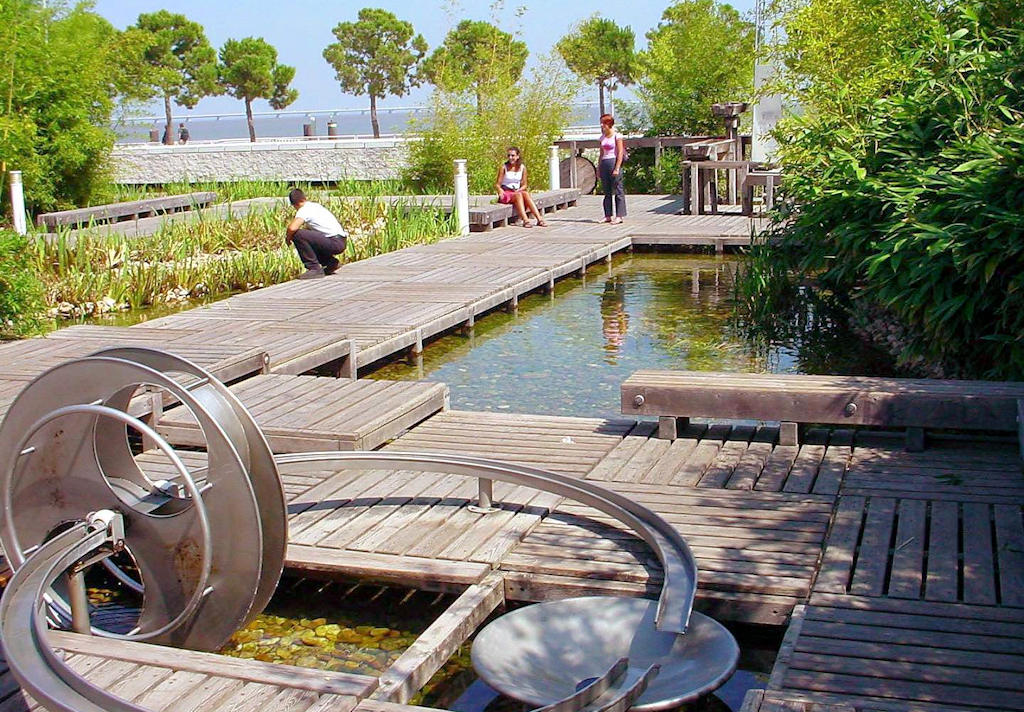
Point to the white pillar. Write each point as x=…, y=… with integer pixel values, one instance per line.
x=554, y=174
x=18, y=203
x=462, y=195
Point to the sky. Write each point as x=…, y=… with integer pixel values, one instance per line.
x=300, y=31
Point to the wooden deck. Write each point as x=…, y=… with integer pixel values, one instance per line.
x=306, y=413
x=920, y=600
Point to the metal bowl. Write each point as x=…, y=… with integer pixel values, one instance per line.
x=542, y=653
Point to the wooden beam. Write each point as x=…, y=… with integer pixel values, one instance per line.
x=438, y=642
x=323, y=681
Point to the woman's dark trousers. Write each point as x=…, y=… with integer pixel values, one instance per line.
x=316, y=249
x=612, y=185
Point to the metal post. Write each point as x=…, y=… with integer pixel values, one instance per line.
x=484, y=497
x=554, y=174
x=18, y=203
x=79, y=601
x=462, y=195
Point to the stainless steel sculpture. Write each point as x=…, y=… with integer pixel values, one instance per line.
x=209, y=546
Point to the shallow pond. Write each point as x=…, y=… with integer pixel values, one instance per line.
x=568, y=353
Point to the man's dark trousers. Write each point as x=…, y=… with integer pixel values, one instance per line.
x=317, y=250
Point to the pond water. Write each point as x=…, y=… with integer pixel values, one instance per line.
x=568, y=353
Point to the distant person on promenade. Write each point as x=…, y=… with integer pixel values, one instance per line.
x=317, y=236
x=512, y=188
x=613, y=152
x=183, y=135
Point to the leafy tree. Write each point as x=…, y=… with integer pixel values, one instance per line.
x=600, y=51
x=177, y=61
x=376, y=55
x=702, y=52
x=835, y=54
x=249, y=70
x=476, y=56
x=60, y=74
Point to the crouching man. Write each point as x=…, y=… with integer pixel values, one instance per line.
x=317, y=236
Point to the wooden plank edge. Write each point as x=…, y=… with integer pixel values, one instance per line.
x=440, y=640
x=422, y=573
x=796, y=623
x=322, y=681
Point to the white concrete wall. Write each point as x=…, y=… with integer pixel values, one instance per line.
x=285, y=160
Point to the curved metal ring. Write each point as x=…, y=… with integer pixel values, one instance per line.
x=35, y=665
x=197, y=501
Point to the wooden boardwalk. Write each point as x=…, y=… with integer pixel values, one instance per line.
x=396, y=301
x=900, y=574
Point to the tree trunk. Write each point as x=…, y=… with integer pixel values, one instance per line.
x=248, y=118
x=373, y=116
x=600, y=93
x=168, y=135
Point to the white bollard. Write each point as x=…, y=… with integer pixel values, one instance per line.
x=18, y=203
x=554, y=173
x=462, y=195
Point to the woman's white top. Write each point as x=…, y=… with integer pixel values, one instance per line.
x=513, y=179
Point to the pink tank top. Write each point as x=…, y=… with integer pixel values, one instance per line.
x=608, y=146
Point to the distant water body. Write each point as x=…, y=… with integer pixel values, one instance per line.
x=349, y=123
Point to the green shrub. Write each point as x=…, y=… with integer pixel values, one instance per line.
x=916, y=208
x=21, y=292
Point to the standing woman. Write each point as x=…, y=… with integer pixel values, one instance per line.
x=512, y=187
x=612, y=153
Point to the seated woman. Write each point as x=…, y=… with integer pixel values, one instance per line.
x=511, y=186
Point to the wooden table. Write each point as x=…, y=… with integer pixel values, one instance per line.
x=701, y=183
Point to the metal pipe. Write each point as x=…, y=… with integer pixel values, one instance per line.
x=18, y=203
x=462, y=195
x=78, y=599
x=485, y=493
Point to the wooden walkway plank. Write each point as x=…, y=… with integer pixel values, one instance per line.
x=1010, y=553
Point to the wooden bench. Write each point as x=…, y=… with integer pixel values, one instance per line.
x=676, y=396
x=131, y=210
x=488, y=217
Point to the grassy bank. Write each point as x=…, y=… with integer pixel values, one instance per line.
x=93, y=274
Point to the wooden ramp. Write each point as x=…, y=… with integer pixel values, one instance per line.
x=307, y=413
x=920, y=600
x=168, y=679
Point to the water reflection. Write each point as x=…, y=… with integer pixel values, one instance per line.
x=614, y=318
x=568, y=355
